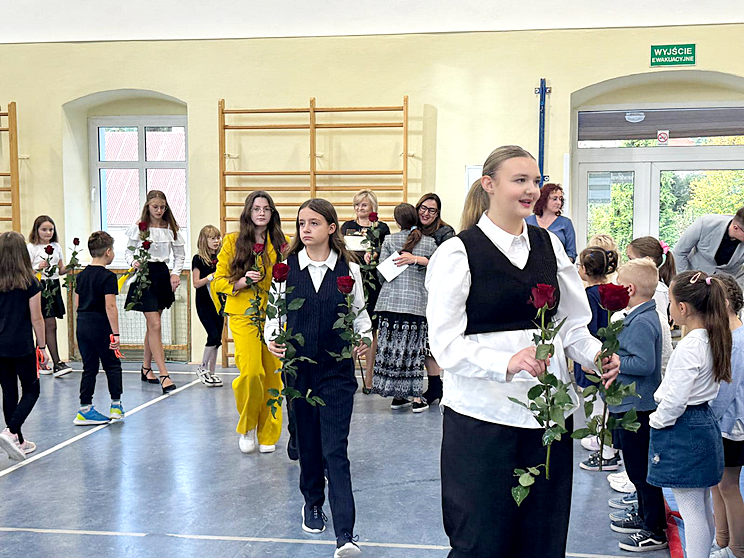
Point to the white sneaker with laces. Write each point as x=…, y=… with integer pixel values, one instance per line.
x=619, y=477
x=247, y=442
x=722, y=553
x=266, y=448
x=590, y=443
x=9, y=442
x=28, y=447
x=625, y=487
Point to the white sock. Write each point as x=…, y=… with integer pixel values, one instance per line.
x=608, y=452
x=697, y=514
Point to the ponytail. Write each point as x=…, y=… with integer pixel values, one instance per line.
x=659, y=252
x=668, y=269
x=406, y=217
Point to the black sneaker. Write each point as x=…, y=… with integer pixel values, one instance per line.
x=292, y=451
x=592, y=464
x=619, y=515
x=61, y=369
x=313, y=519
x=631, y=524
x=622, y=503
x=420, y=407
x=346, y=546
x=399, y=403
x=643, y=541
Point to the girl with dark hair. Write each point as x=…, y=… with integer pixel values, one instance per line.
x=164, y=242
x=46, y=253
x=243, y=275
x=317, y=259
x=686, y=448
x=482, y=332
x=547, y=215
x=399, y=365
x=20, y=318
x=429, y=210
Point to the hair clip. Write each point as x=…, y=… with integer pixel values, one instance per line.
x=664, y=247
x=708, y=280
x=695, y=278
x=414, y=227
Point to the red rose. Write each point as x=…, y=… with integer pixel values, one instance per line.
x=143, y=226
x=345, y=284
x=281, y=272
x=76, y=241
x=146, y=244
x=284, y=248
x=214, y=262
x=258, y=248
x=541, y=295
x=373, y=217
x=613, y=297
x=49, y=249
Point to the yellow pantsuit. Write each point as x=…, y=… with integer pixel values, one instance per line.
x=257, y=366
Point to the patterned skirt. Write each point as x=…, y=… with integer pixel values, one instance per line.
x=399, y=365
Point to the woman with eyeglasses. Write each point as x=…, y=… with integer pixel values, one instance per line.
x=244, y=268
x=547, y=215
x=429, y=210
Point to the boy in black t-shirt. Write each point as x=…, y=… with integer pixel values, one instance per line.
x=98, y=330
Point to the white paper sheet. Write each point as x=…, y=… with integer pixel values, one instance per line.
x=388, y=269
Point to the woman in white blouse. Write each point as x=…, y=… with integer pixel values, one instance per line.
x=480, y=330
x=165, y=240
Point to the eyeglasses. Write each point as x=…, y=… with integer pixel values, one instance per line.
x=560, y=199
x=430, y=210
x=264, y=210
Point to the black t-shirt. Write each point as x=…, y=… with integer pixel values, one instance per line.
x=202, y=293
x=726, y=249
x=92, y=286
x=354, y=228
x=16, y=331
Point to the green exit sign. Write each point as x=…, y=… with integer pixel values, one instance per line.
x=673, y=55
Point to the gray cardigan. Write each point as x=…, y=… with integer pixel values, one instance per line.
x=406, y=293
x=640, y=357
x=696, y=248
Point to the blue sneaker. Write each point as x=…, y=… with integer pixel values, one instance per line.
x=91, y=416
x=116, y=411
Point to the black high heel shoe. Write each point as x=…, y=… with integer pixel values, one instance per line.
x=144, y=377
x=169, y=388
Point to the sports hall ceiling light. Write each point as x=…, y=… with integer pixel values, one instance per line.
x=634, y=117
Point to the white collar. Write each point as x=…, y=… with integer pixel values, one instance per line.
x=502, y=239
x=304, y=260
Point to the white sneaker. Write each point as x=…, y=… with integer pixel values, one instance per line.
x=722, y=553
x=618, y=478
x=266, y=449
x=45, y=371
x=625, y=487
x=590, y=443
x=247, y=442
x=9, y=442
x=349, y=550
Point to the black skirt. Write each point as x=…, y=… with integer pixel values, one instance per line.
x=159, y=295
x=52, y=306
x=733, y=453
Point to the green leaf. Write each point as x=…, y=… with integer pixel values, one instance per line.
x=562, y=398
x=551, y=435
x=593, y=378
x=273, y=392
x=519, y=472
x=300, y=339
x=556, y=415
x=534, y=470
x=526, y=480
x=607, y=437
x=580, y=433
x=519, y=493
x=614, y=400
x=319, y=401
x=588, y=408
x=338, y=323
x=296, y=304
x=346, y=335
x=535, y=391
x=550, y=379
x=589, y=391
x=544, y=351
x=629, y=417
x=560, y=325
x=250, y=311
x=290, y=351
x=513, y=400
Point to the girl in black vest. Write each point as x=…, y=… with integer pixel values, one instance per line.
x=317, y=258
x=480, y=330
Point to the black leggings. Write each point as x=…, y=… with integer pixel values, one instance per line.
x=13, y=369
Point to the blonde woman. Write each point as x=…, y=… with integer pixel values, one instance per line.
x=203, y=268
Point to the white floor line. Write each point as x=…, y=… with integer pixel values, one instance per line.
x=255, y=540
x=66, y=443
x=169, y=372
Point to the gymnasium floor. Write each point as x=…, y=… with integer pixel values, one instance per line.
x=170, y=481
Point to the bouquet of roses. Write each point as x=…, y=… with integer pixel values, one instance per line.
x=612, y=298
x=141, y=256
x=279, y=308
x=345, y=322
x=72, y=266
x=48, y=288
x=549, y=400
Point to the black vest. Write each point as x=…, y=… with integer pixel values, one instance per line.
x=315, y=319
x=500, y=291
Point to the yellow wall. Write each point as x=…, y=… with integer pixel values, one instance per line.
x=469, y=93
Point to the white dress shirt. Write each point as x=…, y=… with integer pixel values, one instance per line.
x=163, y=244
x=317, y=270
x=38, y=255
x=661, y=296
x=476, y=382
x=688, y=380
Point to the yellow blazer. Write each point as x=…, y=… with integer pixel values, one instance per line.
x=240, y=301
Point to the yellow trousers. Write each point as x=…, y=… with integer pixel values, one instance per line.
x=258, y=374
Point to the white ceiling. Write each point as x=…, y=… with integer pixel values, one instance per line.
x=106, y=20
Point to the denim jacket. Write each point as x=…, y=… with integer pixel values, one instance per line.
x=729, y=405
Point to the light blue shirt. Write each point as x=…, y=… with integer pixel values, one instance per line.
x=729, y=405
x=563, y=228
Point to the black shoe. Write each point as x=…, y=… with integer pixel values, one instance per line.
x=421, y=406
x=346, y=546
x=144, y=371
x=624, y=502
x=592, y=464
x=313, y=519
x=399, y=403
x=631, y=524
x=166, y=389
x=292, y=452
x=619, y=515
x=61, y=369
x=433, y=392
x=644, y=540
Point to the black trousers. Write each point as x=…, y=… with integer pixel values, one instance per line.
x=480, y=516
x=322, y=440
x=93, y=331
x=13, y=369
x=635, y=455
